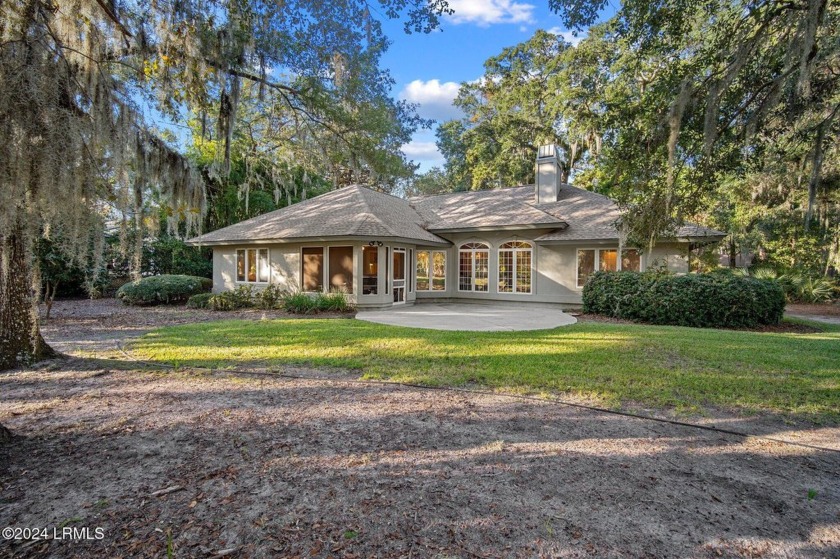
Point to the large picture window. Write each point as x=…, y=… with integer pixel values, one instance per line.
x=631, y=260
x=515, y=267
x=312, y=259
x=341, y=269
x=431, y=270
x=474, y=267
x=605, y=260
x=252, y=265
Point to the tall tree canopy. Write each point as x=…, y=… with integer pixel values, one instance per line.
x=77, y=76
x=677, y=110
x=695, y=92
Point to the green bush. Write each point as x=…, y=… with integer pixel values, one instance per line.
x=332, y=302
x=269, y=298
x=240, y=298
x=200, y=301
x=298, y=303
x=157, y=290
x=221, y=302
x=273, y=297
x=700, y=300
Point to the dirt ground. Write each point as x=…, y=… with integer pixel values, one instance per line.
x=324, y=466
x=827, y=312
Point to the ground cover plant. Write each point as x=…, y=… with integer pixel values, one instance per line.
x=686, y=368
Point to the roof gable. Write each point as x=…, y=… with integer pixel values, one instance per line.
x=346, y=212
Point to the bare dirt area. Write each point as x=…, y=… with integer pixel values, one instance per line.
x=324, y=466
x=826, y=312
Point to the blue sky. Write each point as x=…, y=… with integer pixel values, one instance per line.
x=429, y=68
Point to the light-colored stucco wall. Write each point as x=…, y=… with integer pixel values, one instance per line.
x=285, y=264
x=554, y=268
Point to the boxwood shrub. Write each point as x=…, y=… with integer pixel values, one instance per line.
x=700, y=300
x=157, y=290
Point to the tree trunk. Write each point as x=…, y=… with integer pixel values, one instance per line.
x=733, y=257
x=20, y=336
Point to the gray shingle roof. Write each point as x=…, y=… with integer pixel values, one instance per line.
x=484, y=209
x=353, y=211
x=356, y=211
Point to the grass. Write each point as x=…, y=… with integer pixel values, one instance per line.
x=663, y=366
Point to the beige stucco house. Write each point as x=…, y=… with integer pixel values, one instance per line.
x=530, y=243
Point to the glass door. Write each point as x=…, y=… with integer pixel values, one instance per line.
x=399, y=275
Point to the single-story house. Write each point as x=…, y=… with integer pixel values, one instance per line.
x=529, y=243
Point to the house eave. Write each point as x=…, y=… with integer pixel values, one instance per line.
x=323, y=239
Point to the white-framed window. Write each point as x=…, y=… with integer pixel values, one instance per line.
x=252, y=265
x=430, y=271
x=474, y=267
x=605, y=260
x=515, y=259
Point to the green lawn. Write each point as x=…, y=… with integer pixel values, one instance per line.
x=796, y=374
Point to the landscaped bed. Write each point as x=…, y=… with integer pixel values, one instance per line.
x=615, y=364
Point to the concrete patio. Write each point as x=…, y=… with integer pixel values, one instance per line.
x=479, y=317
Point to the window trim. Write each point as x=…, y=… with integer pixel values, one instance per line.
x=515, y=251
x=472, y=252
x=431, y=270
x=598, y=260
x=245, y=259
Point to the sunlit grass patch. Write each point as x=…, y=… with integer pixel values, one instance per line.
x=683, y=368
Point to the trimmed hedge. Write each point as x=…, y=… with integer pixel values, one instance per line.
x=166, y=289
x=699, y=300
x=200, y=301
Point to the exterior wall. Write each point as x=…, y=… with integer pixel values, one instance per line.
x=285, y=265
x=553, y=268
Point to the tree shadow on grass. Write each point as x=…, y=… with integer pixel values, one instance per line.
x=285, y=467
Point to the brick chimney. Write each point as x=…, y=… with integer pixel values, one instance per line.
x=548, y=175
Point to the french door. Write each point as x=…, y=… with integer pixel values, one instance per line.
x=399, y=267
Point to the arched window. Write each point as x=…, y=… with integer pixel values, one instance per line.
x=474, y=267
x=515, y=267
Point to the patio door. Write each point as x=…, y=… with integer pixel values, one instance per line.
x=399, y=267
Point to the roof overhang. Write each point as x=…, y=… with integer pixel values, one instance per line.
x=326, y=239
x=524, y=227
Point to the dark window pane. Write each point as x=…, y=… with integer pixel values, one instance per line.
x=586, y=265
x=341, y=269
x=313, y=269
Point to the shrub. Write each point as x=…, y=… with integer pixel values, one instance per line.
x=240, y=298
x=298, y=303
x=806, y=289
x=221, y=302
x=332, y=302
x=269, y=298
x=200, y=301
x=156, y=290
x=700, y=300
x=305, y=303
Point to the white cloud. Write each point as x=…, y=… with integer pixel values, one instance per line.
x=422, y=151
x=568, y=36
x=435, y=98
x=488, y=12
